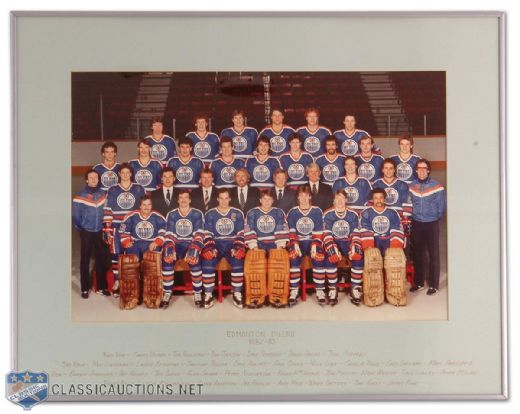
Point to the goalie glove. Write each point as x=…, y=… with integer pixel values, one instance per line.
x=294, y=249
x=355, y=252
x=169, y=252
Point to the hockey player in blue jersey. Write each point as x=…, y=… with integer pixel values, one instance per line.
x=331, y=163
x=108, y=170
x=357, y=189
x=244, y=137
x=162, y=146
x=341, y=238
x=313, y=135
x=205, y=143
x=369, y=164
x=184, y=239
x=147, y=171
x=306, y=238
x=121, y=199
x=295, y=162
x=349, y=137
x=277, y=133
x=262, y=166
x=224, y=238
x=225, y=167
x=406, y=161
x=187, y=168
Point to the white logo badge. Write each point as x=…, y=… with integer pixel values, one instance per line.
x=278, y=144
x=224, y=226
x=349, y=147
x=126, y=201
x=305, y=225
x=367, y=171
x=228, y=174
x=312, y=144
x=183, y=227
x=381, y=224
x=341, y=229
x=159, y=151
x=143, y=177
x=109, y=179
x=404, y=171
x=266, y=224
x=202, y=149
x=296, y=171
x=184, y=174
x=261, y=173
x=352, y=194
x=239, y=143
x=330, y=172
x=144, y=230
x=391, y=196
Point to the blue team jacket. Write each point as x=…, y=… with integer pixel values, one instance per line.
x=428, y=200
x=87, y=209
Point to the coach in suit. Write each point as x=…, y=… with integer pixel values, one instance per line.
x=165, y=198
x=284, y=198
x=204, y=198
x=321, y=193
x=243, y=196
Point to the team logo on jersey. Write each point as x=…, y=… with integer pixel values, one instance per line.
x=159, y=151
x=305, y=225
x=349, y=147
x=278, y=144
x=367, y=171
x=266, y=224
x=144, y=230
x=183, y=227
x=296, y=171
x=391, y=196
x=352, y=194
x=126, y=201
x=381, y=224
x=261, y=173
x=202, y=149
x=404, y=171
x=228, y=174
x=184, y=174
x=224, y=226
x=312, y=144
x=143, y=177
x=341, y=229
x=330, y=172
x=109, y=179
x=239, y=143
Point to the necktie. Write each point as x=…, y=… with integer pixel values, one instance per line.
x=241, y=198
x=314, y=189
x=168, y=196
x=279, y=195
x=206, y=199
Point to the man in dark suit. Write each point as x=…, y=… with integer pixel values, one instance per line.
x=284, y=198
x=321, y=193
x=164, y=199
x=204, y=198
x=244, y=197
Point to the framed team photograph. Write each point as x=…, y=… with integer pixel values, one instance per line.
x=276, y=224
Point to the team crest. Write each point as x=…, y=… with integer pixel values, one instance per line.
x=341, y=229
x=305, y=225
x=109, y=179
x=202, y=149
x=228, y=174
x=144, y=230
x=27, y=388
x=261, y=173
x=404, y=171
x=278, y=144
x=391, y=196
x=349, y=147
x=381, y=224
x=367, y=171
x=183, y=227
x=239, y=144
x=266, y=224
x=159, y=151
x=312, y=144
x=296, y=171
x=330, y=173
x=184, y=174
x=143, y=177
x=224, y=226
x=352, y=194
x=126, y=201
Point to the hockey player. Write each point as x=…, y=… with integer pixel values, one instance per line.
x=224, y=238
x=350, y=136
x=187, y=168
x=205, y=143
x=262, y=166
x=369, y=164
x=313, y=134
x=341, y=237
x=277, y=133
x=147, y=171
x=306, y=238
x=295, y=162
x=331, y=163
x=183, y=240
x=121, y=199
x=244, y=137
x=108, y=170
x=162, y=146
x=357, y=189
x=225, y=167
x=405, y=161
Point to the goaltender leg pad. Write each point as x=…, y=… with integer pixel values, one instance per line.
x=278, y=277
x=395, y=276
x=128, y=281
x=373, y=283
x=151, y=266
x=255, y=278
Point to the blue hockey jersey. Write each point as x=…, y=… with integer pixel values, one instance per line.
x=262, y=172
x=369, y=168
x=267, y=227
x=406, y=168
x=121, y=201
x=185, y=228
x=187, y=173
x=278, y=140
x=163, y=149
x=136, y=227
x=385, y=224
x=358, y=192
x=313, y=141
x=205, y=148
x=296, y=168
x=108, y=176
x=224, y=173
x=331, y=170
x=349, y=143
x=227, y=226
x=397, y=195
x=244, y=142
x=147, y=176
x=306, y=225
x=340, y=226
